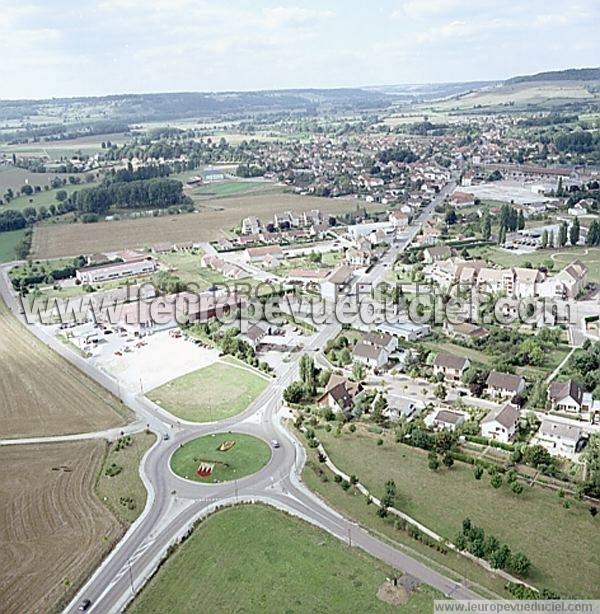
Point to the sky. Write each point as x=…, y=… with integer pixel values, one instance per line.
x=55, y=48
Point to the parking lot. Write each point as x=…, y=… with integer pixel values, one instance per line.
x=141, y=364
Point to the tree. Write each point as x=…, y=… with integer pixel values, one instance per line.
x=448, y=460
x=440, y=391
x=27, y=190
x=307, y=373
x=562, y=235
x=61, y=196
x=478, y=472
x=521, y=220
x=358, y=371
x=499, y=558
x=294, y=393
x=516, y=487
x=496, y=480
x=502, y=236
x=544, y=240
x=433, y=463
x=486, y=226
x=519, y=564
x=574, y=232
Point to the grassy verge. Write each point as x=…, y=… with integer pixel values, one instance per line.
x=124, y=492
x=212, y=393
x=247, y=456
x=556, y=539
x=252, y=558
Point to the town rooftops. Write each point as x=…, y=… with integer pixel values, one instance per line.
x=507, y=416
x=562, y=390
x=449, y=361
x=504, y=381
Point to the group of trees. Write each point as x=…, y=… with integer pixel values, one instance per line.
x=510, y=220
x=157, y=192
x=473, y=539
x=305, y=388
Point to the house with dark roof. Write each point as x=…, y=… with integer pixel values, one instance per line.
x=340, y=393
x=450, y=366
x=504, y=384
x=383, y=340
x=501, y=424
x=565, y=396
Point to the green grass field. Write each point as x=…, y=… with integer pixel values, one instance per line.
x=45, y=197
x=212, y=393
x=8, y=244
x=561, y=257
x=557, y=540
x=247, y=456
x=231, y=188
x=254, y=559
x=115, y=491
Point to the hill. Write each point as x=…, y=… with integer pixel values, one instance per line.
x=571, y=74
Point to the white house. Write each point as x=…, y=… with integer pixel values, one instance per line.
x=258, y=254
x=449, y=365
x=559, y=438
x=447, y=419
x=501, y=424
x=339, y=393
x=336, y=283
x=373, y=356
x=504, y=384
x=565, y=396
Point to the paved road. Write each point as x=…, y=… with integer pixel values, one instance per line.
x=174, y=503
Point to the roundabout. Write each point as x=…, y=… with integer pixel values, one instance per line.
x=220, y=457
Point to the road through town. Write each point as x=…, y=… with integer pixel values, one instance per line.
x=174, y=503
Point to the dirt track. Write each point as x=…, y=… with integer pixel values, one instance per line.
x=42, y=394
x=56, y=240
x=53, y=529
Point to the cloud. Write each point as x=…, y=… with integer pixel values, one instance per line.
x=281, y=16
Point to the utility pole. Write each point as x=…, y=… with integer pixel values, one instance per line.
x=349, y=536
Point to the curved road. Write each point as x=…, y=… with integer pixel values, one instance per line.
x=174, y=504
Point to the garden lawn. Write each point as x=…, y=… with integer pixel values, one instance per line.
x=557, y=540
x=255, y=559
x=209, y=394
x=247, y=456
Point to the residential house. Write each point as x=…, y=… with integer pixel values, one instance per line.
x=399, y=407
x=383, y=340
x=504, y=384
x=501, y=424
x=559, y=438
x=434, y=254
x=372, y=356
x=398, y=219
x=450, y=366
x=340, y=393
x=447, y=419
x=336, y=283
x=462, y=199
x=258, y=254
x=571, y=280
x=251, y=226
x=566, y=396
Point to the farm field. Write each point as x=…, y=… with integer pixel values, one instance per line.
x=224, y=461
x=15, y=178
x=253, y=558
x=561, y=257
x=56, y=240
x=213, y=393
x=231, y=188
x=42, y=394
x=53, y=528
x=556, y=539
x=8, y=244
x=124, y=493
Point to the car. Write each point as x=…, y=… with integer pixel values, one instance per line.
x=275, y=443
x=166, y=437
x=84, y=605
